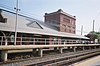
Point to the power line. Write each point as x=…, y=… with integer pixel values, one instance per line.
x=80, y=31
x=21, y=11
x=6, y=7
x=28, y=14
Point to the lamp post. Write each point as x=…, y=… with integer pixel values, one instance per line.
x=16, y=21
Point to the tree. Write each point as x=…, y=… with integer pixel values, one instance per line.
x=94, y=35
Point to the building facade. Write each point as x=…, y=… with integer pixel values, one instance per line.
x=62, y=21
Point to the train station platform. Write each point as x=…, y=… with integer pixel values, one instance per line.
x=18, y=47
x=95, y=61
x=4, y=50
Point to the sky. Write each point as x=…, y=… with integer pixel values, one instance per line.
x=85, y=10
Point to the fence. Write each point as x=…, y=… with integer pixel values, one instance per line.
x=36, y=41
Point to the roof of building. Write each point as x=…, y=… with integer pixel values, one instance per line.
x=31, y=25
x=62, y=12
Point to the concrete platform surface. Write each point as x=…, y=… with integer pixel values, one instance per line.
x=95, y=61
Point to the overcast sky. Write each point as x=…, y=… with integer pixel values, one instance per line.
x=84, y=10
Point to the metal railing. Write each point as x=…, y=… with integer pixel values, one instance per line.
x=36, y=41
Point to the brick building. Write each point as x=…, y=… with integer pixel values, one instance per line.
x=62, y=21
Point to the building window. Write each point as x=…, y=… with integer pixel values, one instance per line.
x=73, y=27
x=74, y=31
x=69, y=31
x=69, y=26
x=66, y=20
x=2, y=20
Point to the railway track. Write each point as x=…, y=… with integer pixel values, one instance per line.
x=71, y=60
x=67, y=60
x=55, y=60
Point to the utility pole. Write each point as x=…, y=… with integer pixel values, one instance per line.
x=81, y=33
x=16, y=21
x=93, y=25
x=93, y=31
x=81, y=29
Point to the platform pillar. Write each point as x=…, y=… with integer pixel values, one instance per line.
x=90, y=48
x=55, y=48
x=6, y=42
x=61, y=50
x=4, y=55
x=75, y=49
x=95, y=47
x=34, y=51
x=83, y=48
x=40, y=52
x=99, y=46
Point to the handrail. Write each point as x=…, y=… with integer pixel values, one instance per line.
x=36, y=41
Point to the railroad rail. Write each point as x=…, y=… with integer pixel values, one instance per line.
x=66, y=60
x=72, y=60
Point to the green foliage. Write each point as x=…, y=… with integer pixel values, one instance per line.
x=93, y=35
x=98, y=33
